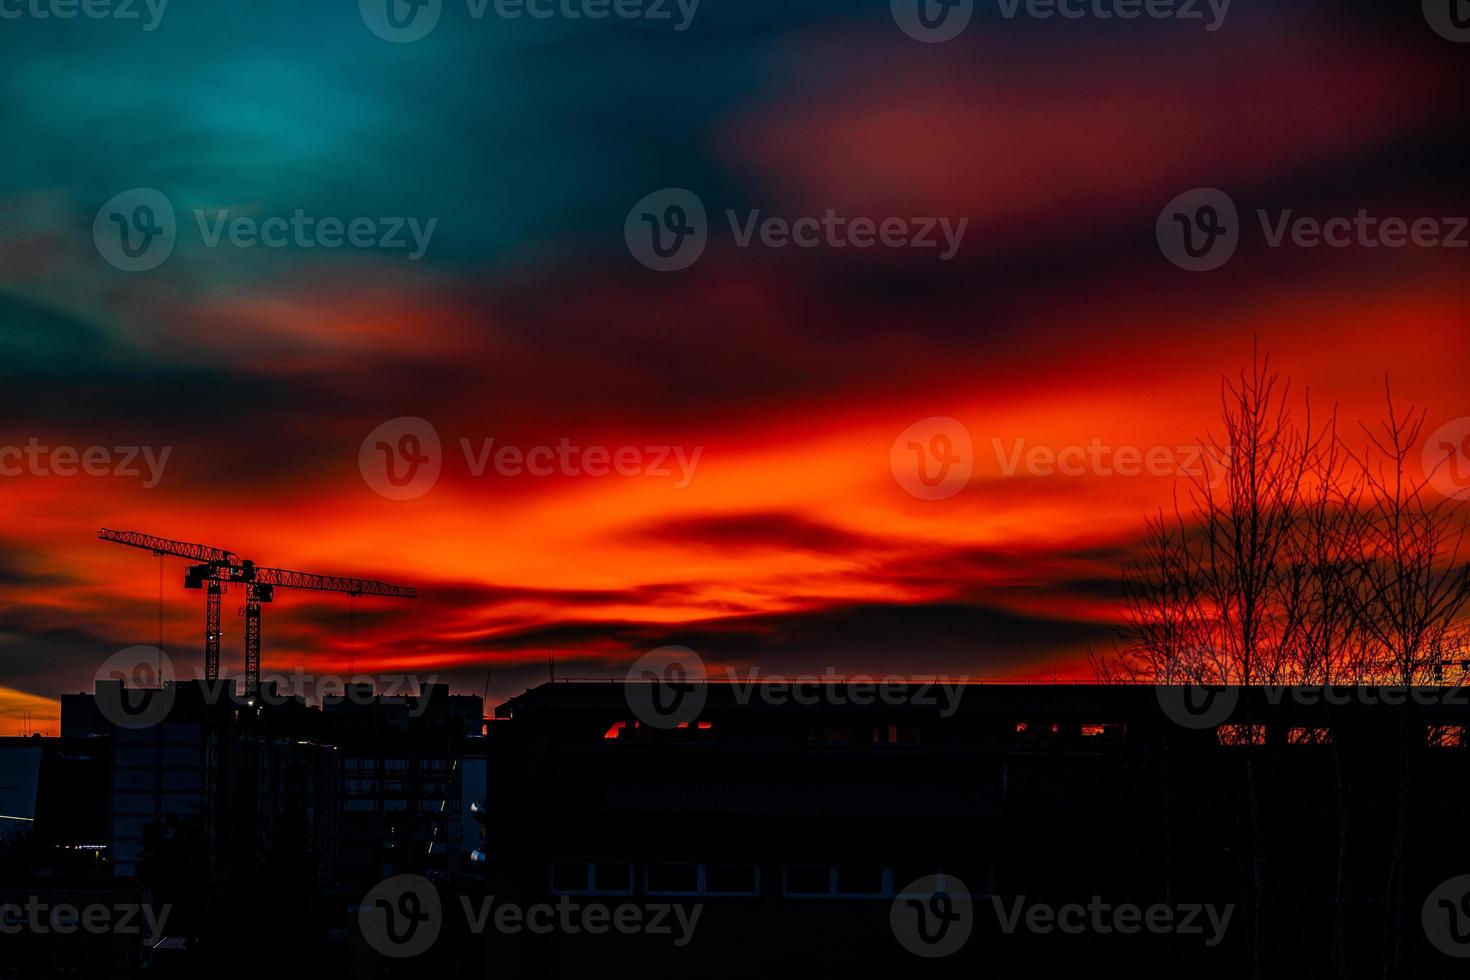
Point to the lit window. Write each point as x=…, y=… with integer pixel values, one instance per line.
x=615, y=730
x=1446, y=736
x=893, y=734
x=1242, y=734
x=1309, y=736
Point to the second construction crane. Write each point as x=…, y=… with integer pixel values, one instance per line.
x=216, y=568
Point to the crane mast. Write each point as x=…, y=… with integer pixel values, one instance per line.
x=216, y=568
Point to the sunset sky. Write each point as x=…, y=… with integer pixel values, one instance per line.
x=791, y=372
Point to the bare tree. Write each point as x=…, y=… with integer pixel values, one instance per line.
x=1416, y=588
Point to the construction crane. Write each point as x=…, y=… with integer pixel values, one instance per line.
x=217, y=568
x=211, y=558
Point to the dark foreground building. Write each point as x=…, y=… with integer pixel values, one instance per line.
x=1098, y=830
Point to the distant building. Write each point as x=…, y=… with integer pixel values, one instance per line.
x=798, y=824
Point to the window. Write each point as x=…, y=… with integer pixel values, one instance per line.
x=904, y=877
x=135, y=779
x=361, y=806
x=134, y=802
x=395, y=806
x=1446, y=736
x=808, y=880
x=612, y=878
x=137, y=755
x=894, y=734
x=860, y=881
x=1242, y=734
x=181, y=756
x=1308, y=736
x=571, y=878
x=671, y=879
x=830, y=734
x=731, y=879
